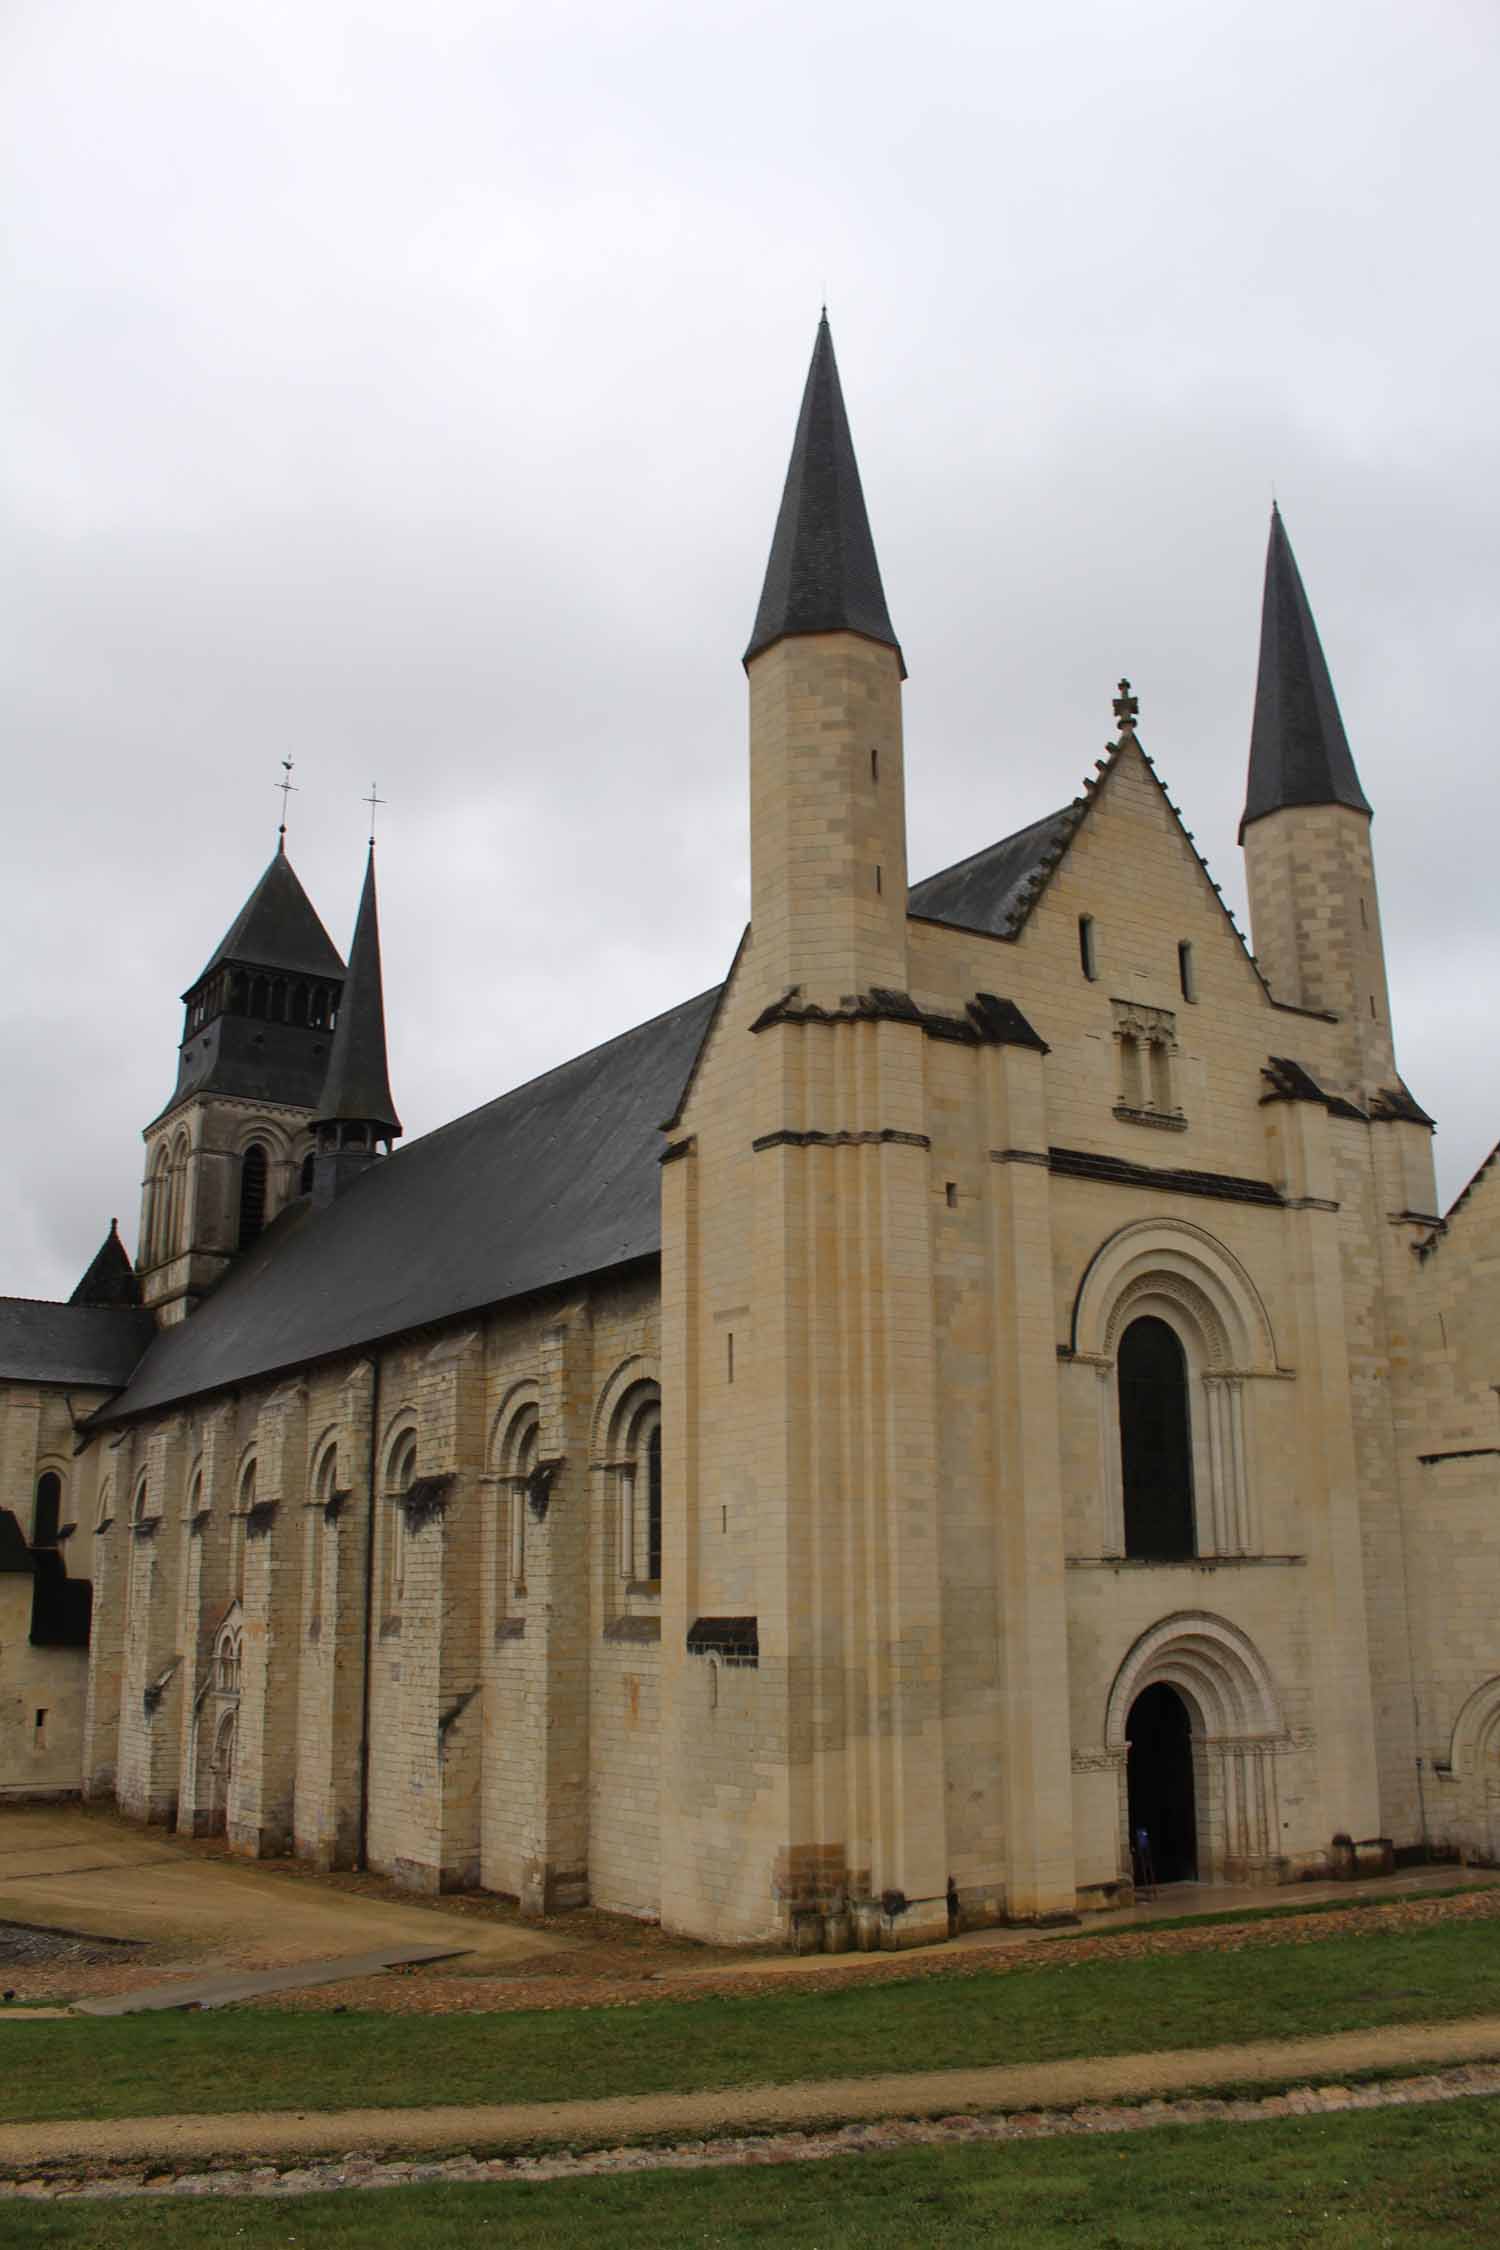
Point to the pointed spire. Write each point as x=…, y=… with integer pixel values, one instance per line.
x=357, y=1089
x=277, y=928
x=111, y=1278
x=822, y=576
x=1299, y=752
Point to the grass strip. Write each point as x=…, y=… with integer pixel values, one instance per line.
x=1047, y=2010
x=1422, y=2178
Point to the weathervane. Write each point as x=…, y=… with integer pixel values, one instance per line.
x=372, y=801
x=288, y=788
x=1126, y=708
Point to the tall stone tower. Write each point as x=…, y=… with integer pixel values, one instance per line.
x=1314, y=907
x=827, y=790
x=233, y=1145
x=798, y=1353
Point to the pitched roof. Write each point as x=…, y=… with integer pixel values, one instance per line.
x=277, y=928
x=111, y=1278
x=993, y=889
x=1299, y=752
x=551, y=1183
x=358, y=1085
x=822, y=576
x=95, y=1346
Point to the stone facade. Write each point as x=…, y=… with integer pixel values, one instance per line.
x=794, y=1584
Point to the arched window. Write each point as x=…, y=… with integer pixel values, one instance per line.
x=299, y=1003
x=46, y=1516
x=321, y=1534
x=401, y=1470
x=305, y=1175
x=154, y=1225
x=244, y=1502
x=138, y=1504
x=1156, y=1457
x=177, y=1198
x=516, y=1459
x=638, y=1485
x=258, y=991
x=254, y=1173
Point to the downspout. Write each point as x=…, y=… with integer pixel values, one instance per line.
x=361, y=1856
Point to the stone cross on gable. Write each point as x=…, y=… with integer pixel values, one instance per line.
x=1126, y=708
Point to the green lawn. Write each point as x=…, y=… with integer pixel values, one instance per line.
x=258, y=2059
x=1414, y=2178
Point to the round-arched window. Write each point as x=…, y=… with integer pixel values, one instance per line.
x=1156, y=1449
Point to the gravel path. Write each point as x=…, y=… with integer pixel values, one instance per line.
x=786, y=2147
x=177, y=2144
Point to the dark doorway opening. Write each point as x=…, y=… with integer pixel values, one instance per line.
x=1159, y=1779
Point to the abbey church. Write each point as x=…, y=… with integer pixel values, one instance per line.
x=977, y=1410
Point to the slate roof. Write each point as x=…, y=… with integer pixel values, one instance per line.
x=277, y=928
x=358, y=1085
x=92, y=1345
x=822, y=576
x=111, y=1278
x=1299, y=752
x=548, y=1184
x=991, y=890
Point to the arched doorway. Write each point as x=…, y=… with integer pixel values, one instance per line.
x=221, y=1772
x=1159, y=1782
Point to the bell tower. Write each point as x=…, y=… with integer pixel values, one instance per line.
x=230, y=1148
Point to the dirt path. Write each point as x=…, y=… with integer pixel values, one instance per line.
x=179, y=2142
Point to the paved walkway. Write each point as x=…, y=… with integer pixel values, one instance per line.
x=180, y=2142
x=224, y=1992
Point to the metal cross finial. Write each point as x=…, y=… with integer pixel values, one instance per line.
x=1126, y=708
x=372, y=801
x=288, y=788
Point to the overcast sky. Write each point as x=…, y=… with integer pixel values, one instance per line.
x=407, y=391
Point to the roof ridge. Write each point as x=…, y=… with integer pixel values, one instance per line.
x=554, y=1070
x=970, y=859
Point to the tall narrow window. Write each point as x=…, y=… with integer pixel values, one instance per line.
x=46, y=1519
x=1186, y=976
x=653, y=1506
x=1088, y=959
x=1155, y=1442
x=253, y=1175
x=244, y=1502
x=400, y=1476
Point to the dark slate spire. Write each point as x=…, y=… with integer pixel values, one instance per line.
x=1299, y=752
x=111, y=1279
x=278, y=928
x=357, y=1089
x=822, y=576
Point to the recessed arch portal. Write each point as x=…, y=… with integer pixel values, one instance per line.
x=1221, y=1812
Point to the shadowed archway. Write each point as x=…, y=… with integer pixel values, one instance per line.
x=1159, y=1781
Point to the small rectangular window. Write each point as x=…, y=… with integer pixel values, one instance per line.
x=878, y=884
x=952, y=1192
x=1088, y=959
x=874, y=765
x=1186, y=977
x=730, y=1365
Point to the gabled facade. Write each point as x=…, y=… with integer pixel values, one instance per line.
x=977, y=1409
